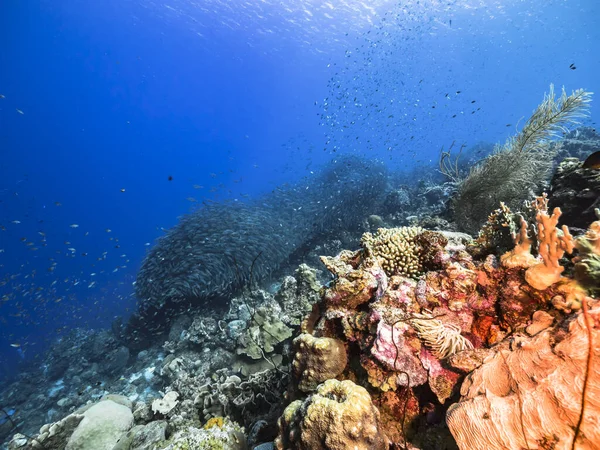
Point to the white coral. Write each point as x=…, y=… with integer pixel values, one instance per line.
x=166, y=404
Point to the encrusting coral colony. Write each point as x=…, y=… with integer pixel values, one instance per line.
x=420, y=339
x=527, y=337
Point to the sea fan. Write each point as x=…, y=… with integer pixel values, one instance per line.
x=520, y=166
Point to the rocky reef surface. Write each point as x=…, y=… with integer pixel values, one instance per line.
x=399, y=334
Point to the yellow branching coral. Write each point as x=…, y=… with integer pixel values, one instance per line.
x=404, y=251
x=521, y=255
x=214, y=422
x=395, y=249
x=552, y=247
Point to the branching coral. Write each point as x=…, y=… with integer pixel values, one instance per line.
x=552, y=247
x=396, y=249
x=405, y=250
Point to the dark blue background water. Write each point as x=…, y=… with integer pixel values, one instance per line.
x=104, y=101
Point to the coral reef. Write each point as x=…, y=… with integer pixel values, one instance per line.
x=386, y=349
x=215, y=250
x=396, y=330
x=198, y=362
x=419, y=339
x=411, y=342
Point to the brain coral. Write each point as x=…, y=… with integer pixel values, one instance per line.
x=339, y=416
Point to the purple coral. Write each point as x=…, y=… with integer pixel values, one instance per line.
x=399, y=354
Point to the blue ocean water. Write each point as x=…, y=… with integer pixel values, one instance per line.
x=116, y=117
